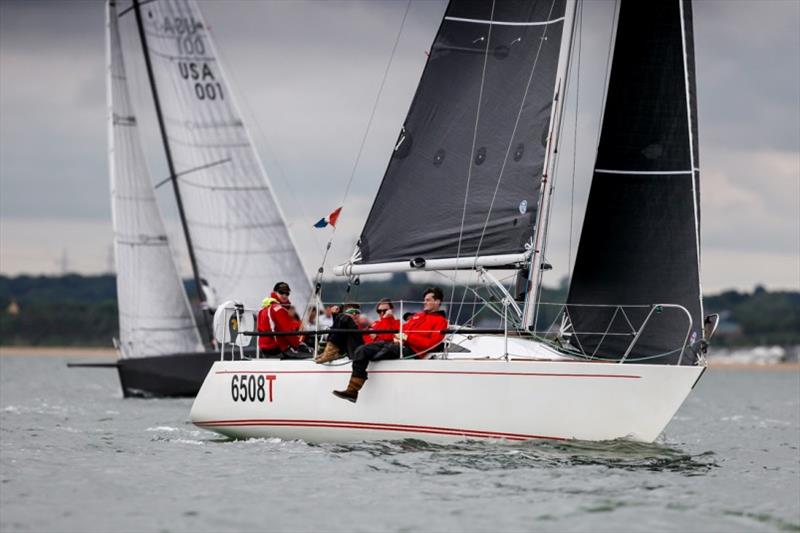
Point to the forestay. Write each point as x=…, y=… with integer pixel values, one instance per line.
x=465, y=173
x=641, y=236
x=154, y=314
x=237, y=229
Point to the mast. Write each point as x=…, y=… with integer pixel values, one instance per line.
x=170, y=165
x=543, y=214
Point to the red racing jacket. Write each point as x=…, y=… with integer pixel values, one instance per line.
x=387, y=322
x=274, y=317
x=422, y=331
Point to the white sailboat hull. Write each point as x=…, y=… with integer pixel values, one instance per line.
x=444, y=400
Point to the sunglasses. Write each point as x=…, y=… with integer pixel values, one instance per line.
x=284, y=293
x=381, y=311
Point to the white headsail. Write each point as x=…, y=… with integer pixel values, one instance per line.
x=154, y=314
x=237, y=228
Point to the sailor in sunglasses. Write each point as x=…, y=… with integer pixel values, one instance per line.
x=422, y=333
x=274, y=317
x=386, y=320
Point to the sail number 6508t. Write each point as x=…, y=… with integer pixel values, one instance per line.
x=249, y=387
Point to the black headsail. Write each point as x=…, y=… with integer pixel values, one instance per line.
x=640, y=242
x=465, y=173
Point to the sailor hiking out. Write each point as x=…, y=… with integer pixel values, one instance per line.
x=420, y=335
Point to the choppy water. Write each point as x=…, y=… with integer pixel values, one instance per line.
x=75, y=456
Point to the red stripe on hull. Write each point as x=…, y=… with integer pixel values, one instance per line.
x=453, y=372
x=373, y=426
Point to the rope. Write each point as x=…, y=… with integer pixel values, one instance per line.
x=263, y=141
x=600, y=125
x=576, y=44
x=321, y=270
x=511, y=138
x=471, y=160
x=614, y=20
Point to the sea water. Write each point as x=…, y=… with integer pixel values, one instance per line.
x=75, y=456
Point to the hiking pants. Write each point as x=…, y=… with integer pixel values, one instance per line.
x=376, y=351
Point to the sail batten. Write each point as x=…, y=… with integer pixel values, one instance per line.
x=643, y=172
x=504, y=22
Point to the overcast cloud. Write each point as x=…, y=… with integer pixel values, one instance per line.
x=306, y=75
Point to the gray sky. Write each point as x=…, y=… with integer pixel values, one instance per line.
x=306, y=75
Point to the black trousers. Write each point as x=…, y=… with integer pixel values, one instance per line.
x=302, y=352
x=375, y=351
x=347, y=341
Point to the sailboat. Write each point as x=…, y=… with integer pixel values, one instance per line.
x=235, y=232
x=468, y=187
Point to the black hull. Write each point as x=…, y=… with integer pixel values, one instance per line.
x=166, y=376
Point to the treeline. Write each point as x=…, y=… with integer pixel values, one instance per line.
x=69, y=310
x=74, y=310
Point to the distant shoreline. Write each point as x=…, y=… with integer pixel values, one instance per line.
x=717, y=365
x=58, y=351
x=111, y=353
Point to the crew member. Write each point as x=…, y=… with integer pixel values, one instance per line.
x=346, y=337
x=421, y=334
x=274, y=317
x=386, y=320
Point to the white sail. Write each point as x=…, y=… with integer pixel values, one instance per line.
x=154, y=314
x=237, y=228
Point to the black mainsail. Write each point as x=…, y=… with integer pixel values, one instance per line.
x=464, y=178
x=640, y=243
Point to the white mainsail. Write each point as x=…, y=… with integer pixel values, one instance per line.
x=154, y=314
x=237, y=229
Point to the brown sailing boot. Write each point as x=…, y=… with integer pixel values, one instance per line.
x=331, y=353
x=351, y=393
